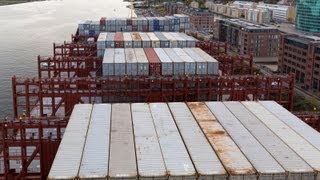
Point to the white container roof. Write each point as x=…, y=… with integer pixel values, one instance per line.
x=286, y=157
x=95, y=159
x=67, y=161
x=203, y=156
x=152, y=36
x=164, y=58
x=149, y=156
x=294, y=122
x=108, y=55
x=122, y=150
x=293, y=139
x=247, y=143
x=130, y=55
x=174, y=152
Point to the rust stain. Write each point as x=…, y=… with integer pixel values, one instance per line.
x=219, y=139
x=135, y=36
x=201, y=112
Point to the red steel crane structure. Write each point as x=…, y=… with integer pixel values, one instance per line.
x=311, y=118
x=28, y=146
x=228, y=64
x=49, y=96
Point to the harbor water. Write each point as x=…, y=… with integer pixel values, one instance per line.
x=28, y=30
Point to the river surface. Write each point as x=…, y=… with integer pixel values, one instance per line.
x=28, y=30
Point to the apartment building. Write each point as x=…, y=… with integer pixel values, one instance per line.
x=301, y=55
x=248, y=38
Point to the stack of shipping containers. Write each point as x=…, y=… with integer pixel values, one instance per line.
x=175, y=23
x=194, y=140
x=144, y=40
x=158, y=61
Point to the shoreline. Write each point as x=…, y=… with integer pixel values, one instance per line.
x=8, y=2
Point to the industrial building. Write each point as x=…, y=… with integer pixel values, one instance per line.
x=223, y=140
x=308, y=16
x=247, y=38
x=301, y=55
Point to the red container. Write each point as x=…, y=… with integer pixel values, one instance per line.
x=118, y=40
x=134, y=27
x=129, y=22
x=103, y=21
x=154, y=61
x=145, y=28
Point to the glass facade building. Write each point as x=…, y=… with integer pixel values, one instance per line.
x=308, y=16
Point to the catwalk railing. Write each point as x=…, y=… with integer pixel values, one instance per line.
x=28, y=147
x=57, y=96
x=228, y=64
x=311, y=118
x=72, y=66
x=68, y=49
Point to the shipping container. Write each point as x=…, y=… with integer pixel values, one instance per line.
x=95, y=158
x=263, y=162
x=181, y=42
x=101, y=41
x=201, y=64
x=119, y=62
x=143, y=63
x=108, y=62
x=67, y=161
x=295, y=141
x=189, y=63
x=164, y=42
x=296, y=167
x=131, y=62
x=154, y=61
x=213, y=65
x=149, y=156
x=236, y=164
x=136, y=40
x=173, y=41
x=146, y=42
x=118, y=40
x=122, y=151
x=178, y=63
x=191, y=41
x=127, y=40
x=166, y=62
x=204, y=158
x=155, y=43
x=175, y=155
x=310, y=134
x=110, y=40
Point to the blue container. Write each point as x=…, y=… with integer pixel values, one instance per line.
x=156, y=22
x=91, y=32
x=156, y=28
